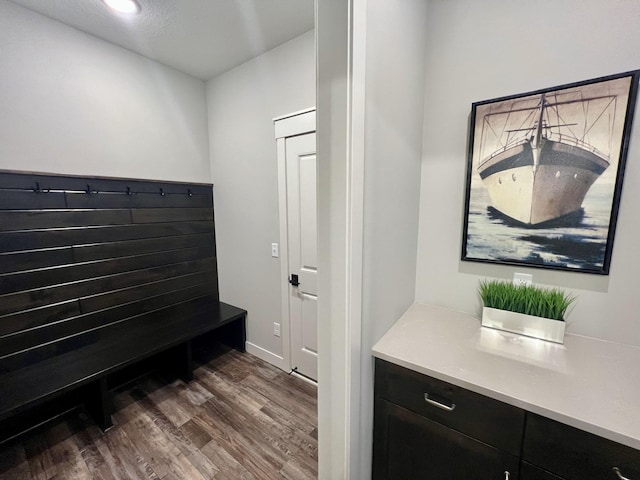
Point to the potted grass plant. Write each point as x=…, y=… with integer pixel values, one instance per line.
x=528, y=310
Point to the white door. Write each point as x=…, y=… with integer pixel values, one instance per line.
x=303, y=257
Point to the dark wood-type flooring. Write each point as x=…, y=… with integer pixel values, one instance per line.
x=240, y=418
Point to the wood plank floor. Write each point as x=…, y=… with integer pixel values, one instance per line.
x=240, y=418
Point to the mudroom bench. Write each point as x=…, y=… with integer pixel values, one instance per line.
x=101, y=278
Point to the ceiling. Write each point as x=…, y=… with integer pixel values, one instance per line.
x=200, y=37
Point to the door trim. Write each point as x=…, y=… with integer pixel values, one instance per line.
x=291, y=125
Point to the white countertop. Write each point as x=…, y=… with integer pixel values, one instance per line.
x=590, y=384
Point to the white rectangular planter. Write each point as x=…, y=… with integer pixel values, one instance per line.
x=537, y=327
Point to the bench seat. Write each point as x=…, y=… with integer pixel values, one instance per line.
x=107, y=350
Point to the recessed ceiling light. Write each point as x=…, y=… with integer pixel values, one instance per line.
x=123, y=6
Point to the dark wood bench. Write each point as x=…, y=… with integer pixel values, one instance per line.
x=98, y=275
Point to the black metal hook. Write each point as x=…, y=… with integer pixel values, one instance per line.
x=129, y=192
x=89, y=190
x=162, y=192
x=189, y=192
x=39, y=189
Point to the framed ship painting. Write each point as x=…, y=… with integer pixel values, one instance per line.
x=544, y=175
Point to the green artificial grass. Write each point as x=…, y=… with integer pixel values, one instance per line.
x=530, y=300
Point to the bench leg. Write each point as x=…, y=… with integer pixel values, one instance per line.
x=98, y=404
x=185, y=365
x=234, y=334
x=241, y=334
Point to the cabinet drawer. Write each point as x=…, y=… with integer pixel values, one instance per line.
x=529, y=472
x=575, y=454
x=477, y=416
x=409, y=446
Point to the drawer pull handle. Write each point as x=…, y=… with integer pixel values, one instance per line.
x=619, y=474
x=448, y=408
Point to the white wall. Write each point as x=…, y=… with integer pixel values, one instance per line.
x=483, y=50
x=338, y=390
x=371, y=70
x=241, y=106
x=71, y=103
x=394, y=92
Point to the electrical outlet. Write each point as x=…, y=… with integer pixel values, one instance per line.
x=275, y=250
x=276, y=329
x=522, y=279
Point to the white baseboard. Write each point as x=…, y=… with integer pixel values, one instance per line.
x=267, y=356
x=303, y=378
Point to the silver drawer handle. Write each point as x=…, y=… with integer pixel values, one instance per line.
x=435, y=403
x=619, y=474
x=507, y=475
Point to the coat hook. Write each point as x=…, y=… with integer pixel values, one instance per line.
x=162, y=192
x=89, y=191
x=38, y=189
x=129, y=192
x=189, y=192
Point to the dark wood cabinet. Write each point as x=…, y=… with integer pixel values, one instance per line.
x=530, y=472
x=412, y=446
x=574, y=454
x=429, y=429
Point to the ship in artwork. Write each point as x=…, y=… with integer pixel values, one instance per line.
x=537, y=161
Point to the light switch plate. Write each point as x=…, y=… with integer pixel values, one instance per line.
x=275, y=250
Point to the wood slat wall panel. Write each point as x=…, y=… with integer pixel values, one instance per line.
x=20, y=261
x=87, y=321
x=23, y=300
x=15, y=282
x=139, y=200
x=27, y=181
x=46, y=183
x=20, y=241
x=150, y=296
x=36, y=317
x=160, y=215
x=126, y=295
x=24, y=200
x=87, y=253
x=38, y=219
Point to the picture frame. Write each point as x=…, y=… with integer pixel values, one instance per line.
x=545, y=172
